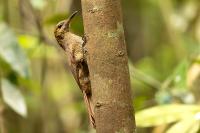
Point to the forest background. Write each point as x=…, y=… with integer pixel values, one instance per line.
x=39, y=94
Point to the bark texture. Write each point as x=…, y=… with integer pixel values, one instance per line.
x=108, y=66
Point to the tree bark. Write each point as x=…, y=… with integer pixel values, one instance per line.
x=108, y=66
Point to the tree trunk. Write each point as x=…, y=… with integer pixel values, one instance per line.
x=108, y=66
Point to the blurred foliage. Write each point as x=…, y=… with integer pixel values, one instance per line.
x=164, y=114
x=13, y=97
x=11, y=52
x=39, y=95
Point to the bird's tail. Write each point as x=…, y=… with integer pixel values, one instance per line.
x=89, y=108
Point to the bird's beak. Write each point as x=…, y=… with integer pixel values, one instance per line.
x=67, y=21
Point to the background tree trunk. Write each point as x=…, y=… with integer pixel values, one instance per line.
x=108, y=66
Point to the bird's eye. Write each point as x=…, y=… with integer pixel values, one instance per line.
x=60, y=24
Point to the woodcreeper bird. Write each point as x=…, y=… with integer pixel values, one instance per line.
x=73, y=45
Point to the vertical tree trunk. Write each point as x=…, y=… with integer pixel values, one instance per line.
x=108, y=66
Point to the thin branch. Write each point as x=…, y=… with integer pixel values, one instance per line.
x=141, y=76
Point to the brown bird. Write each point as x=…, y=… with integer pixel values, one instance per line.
x=73, y=45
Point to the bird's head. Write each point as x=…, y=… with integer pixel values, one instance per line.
x=63, y=27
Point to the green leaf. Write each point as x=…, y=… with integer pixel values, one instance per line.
x=28, y=41
x=12, y=53
x=189, y=125
x=45, y=51
x=179, y=75
x=13, y=98
x=141, y=76
x=165, y=114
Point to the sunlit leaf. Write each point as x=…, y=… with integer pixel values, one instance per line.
x=164, y=114
x=11, y=52
x=13, y=98
x=45, y=51
x=189, y=125
x=35, y=50
x=38, y=4
x=27, y=41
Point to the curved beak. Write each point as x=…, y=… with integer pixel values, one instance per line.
x=68, y=20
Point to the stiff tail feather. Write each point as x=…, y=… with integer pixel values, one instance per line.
x=89, y=108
